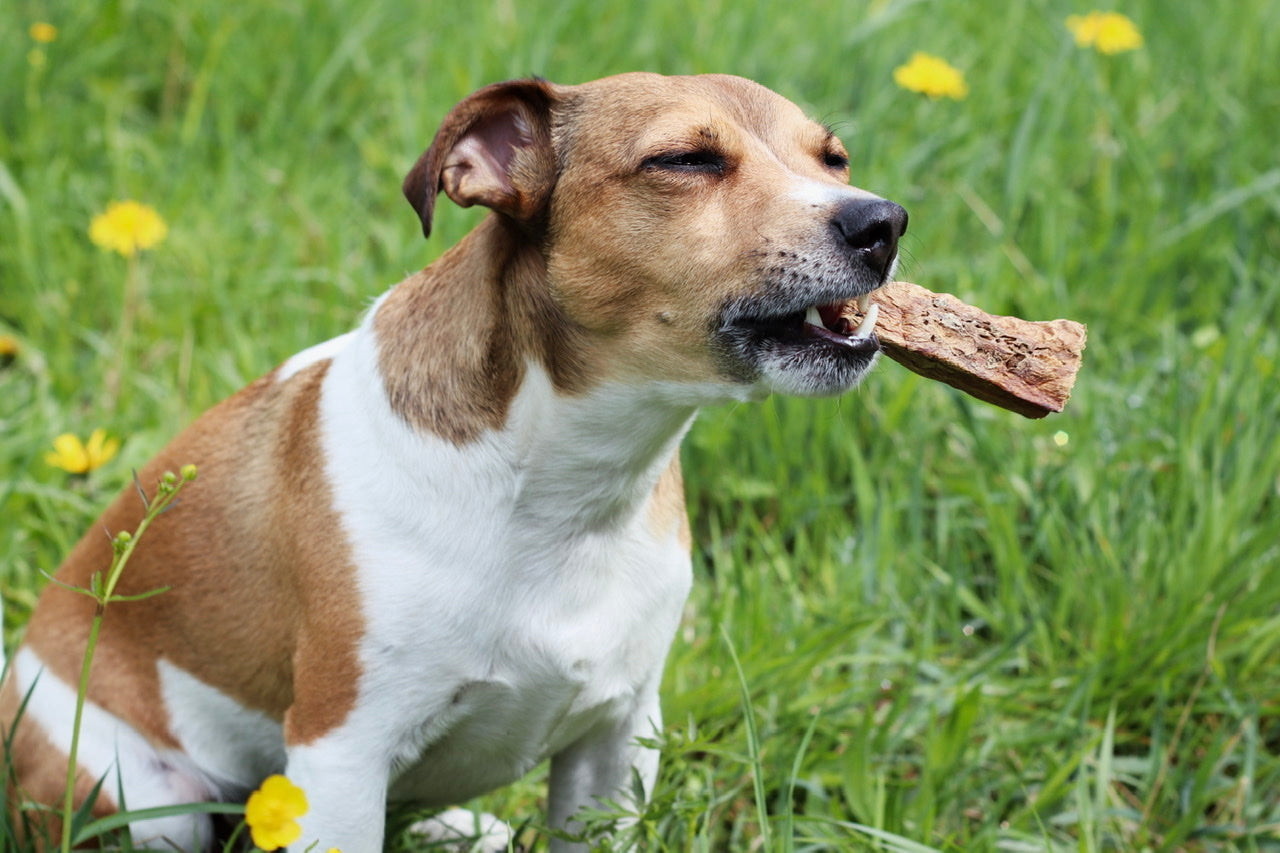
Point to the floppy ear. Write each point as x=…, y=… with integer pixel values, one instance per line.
x=494, y=149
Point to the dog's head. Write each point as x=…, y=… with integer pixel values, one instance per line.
x=694, y=229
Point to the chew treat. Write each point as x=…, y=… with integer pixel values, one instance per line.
x=1023, y=366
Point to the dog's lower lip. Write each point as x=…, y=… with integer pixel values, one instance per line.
x=855, y=340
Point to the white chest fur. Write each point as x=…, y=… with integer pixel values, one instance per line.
x=516, y=592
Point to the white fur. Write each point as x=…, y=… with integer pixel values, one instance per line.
x=109, y=748
x=518, y=603
x=301, y=361
x=462, y=830
x=822, y=194
x=235, y=747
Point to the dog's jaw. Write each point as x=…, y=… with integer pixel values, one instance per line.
x=790, y=336
x=789, y=355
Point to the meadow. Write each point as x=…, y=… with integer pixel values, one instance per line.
x=917, y=622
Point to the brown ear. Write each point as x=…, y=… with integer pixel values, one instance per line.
x=494, y=149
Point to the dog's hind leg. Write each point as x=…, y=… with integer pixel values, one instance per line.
x=135, y=774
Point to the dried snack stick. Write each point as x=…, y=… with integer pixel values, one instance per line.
x=1024, y=366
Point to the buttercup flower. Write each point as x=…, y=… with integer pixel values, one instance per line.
x=271, y=813
x=127, y=227
x=43, y=32
x=1107, y=32
x=71, y=455
x=932, y=76
x=8, y=347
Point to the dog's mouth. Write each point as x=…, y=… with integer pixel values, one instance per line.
x=824, y=324
x=829, y=323
x=800, y=344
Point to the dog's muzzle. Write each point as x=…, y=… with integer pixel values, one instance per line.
x=792, y=332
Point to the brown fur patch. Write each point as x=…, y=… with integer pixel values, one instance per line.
x=666, y=505
x=453, y=339
x=261, y=602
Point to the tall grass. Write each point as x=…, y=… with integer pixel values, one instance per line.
x=954, y=628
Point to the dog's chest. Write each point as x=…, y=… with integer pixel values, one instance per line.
x=517, y=591
x=529, y=666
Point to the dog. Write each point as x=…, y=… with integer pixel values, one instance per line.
x=423, y=557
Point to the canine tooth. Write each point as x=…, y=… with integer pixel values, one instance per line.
x=868, y=322
x=864, y=302
x=812, y=317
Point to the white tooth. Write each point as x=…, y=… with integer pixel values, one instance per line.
x=864, y=301
x=812, y=317
x=868, y=322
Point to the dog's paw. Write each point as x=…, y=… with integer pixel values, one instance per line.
x=462, y=831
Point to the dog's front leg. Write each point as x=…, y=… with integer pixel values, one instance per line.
x=346, y=788
x=598, y=767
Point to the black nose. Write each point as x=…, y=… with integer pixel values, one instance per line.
x=871, y=227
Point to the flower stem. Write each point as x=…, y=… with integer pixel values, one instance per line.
x=68, y=803
x=122, y=546
x=129, y=311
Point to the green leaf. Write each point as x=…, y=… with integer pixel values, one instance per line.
x=122, y=819
x=141, y=596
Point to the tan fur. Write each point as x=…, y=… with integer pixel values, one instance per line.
x=666, y=506
x=485, y=311
x=633, y=266
x=255, y=529
x=651, y=257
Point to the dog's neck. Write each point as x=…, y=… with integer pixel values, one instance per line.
x=474, y=350
x=455, y=337
x=590, y=461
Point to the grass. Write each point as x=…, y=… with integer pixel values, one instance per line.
x=917, y=622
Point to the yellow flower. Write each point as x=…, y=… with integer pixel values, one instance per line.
x=8, y=347
x=43, y=32
x=932, y=76
x=127, y=227
x=271, y=813
x=70, y=454
x=1107, y=32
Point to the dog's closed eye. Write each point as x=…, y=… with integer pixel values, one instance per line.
x=696, y=160
x=835, y=160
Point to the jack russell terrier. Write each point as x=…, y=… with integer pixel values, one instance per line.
x=427, y=555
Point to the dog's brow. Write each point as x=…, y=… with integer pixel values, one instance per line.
x=701, y=136
x=706, y=132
